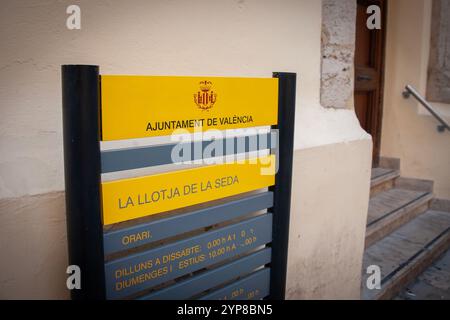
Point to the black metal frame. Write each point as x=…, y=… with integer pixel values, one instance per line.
x=81, y=128
x=82, y=134
x=287, y=83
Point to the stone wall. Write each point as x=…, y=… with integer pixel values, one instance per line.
x=438, y=86
x=338, y=47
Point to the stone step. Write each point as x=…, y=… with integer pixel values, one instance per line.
x=382, y=179
x=393, y=208
x=432, y=284
x=406, y=252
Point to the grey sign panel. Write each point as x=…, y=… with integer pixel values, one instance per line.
x=140, y=271
x=145, y=233
x=209, y=279
x=252, y=287
x=134, y=158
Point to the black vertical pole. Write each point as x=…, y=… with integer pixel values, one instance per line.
x=283, y=179
x=81, y=96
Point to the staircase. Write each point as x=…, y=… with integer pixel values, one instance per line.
x=407, y=229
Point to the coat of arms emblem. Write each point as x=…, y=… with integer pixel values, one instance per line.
x=205, y=98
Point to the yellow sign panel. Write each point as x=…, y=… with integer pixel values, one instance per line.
x=143, y=106
x=138, y=197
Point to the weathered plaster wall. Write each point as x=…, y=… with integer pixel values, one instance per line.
x=438, y=86
x=322, y=236
x=245, y=38
x=338, y=47
x=409, y=131
x=33, y=247
x=426, y=52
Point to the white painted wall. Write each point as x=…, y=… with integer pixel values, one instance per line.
x=221, y=38
x=238, y=38
x=328, y=221
x=409, y=132
x=442, y=108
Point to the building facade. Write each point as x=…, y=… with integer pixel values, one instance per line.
x=244, y=38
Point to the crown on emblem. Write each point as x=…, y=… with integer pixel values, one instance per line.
x=205, y=85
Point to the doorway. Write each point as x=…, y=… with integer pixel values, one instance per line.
x=369, y=73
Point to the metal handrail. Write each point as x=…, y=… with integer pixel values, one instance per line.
x=409, y=90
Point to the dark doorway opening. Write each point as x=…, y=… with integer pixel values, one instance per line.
x=369, y=72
